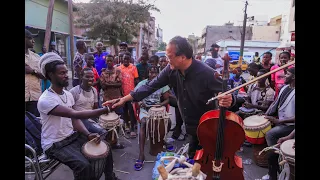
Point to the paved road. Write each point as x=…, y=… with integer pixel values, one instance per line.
x=126, y=162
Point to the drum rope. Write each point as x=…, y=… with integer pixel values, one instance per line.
x=151, y=118
x=277, y=150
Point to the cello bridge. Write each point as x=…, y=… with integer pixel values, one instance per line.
x=216, y=168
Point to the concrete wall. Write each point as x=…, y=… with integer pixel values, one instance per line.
x=215, y=33
x=266, y=33
x=292, y=17
x=36, y=12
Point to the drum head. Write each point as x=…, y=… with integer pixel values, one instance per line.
x=161, y=108
x=109, y=117
x=255, y=121
x=94, y=150
x=286, y=148
x=246, y=110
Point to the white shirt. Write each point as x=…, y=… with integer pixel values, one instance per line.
x=219, y=61
x=54, y=128
x=84, y=100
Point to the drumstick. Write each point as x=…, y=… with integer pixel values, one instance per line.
x=99, y=135
x=252, y=81
x=163, y=173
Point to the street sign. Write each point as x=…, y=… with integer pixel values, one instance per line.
x=234, y=55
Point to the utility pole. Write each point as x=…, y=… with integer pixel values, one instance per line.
x=243, y=34
x=48, y=25
x=70, y=12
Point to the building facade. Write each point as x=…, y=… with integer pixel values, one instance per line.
x=266, y=33
x=36, y=18
x=211, y=34
x=249, y=47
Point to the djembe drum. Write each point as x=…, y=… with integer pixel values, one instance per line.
x=157, y=127
x=287, y=155
x=96, y=154
x=110, y=122
x=246, y=112
x=255, y=128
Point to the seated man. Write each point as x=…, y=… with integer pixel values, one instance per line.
x=86, y=98
x=282, y=114
x=145, y=104
x=59, y=122
x=260, y=96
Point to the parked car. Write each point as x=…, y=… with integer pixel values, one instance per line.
x=234, y=64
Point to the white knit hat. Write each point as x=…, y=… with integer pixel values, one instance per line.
x=48, y=58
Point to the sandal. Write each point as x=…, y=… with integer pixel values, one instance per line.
x=133, y=135
x=170, y=147
x=138, y=165
x=118, y=146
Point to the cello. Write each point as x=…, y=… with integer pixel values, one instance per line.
x=221, y=134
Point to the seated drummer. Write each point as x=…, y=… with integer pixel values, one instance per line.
x=282, y=114
x=63, y=133
x=86, y=98
x=260, y=96
x=145, y=104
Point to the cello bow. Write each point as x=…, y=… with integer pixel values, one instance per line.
x=252, y=81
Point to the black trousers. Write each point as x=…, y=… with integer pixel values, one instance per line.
x=68, y=152
x=31, y=106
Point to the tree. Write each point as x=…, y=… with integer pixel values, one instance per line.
x=162, y=46
x=113, y=20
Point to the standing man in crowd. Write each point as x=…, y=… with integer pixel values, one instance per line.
x=52, y=48
x=215, y=62
x=100, y=57
x=78, y=62
x=32, y=75
x=143, y=67
x=189, y=77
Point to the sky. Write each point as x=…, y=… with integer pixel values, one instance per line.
x=187, y=17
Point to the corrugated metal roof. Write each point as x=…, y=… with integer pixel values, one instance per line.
x=247, y=43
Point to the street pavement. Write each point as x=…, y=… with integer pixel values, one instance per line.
x=124, y=160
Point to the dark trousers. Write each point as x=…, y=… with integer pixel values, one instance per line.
x=128, y=110
x=31, y=106
x=272, y=136
x=68, y=152
x=177, y=129
x=94, y=127
x=193, y=140
x=75, y=82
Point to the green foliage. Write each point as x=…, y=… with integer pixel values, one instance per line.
x=113, y=20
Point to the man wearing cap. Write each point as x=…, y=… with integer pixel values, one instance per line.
x=215, y=62
x=123, y=47
x=32, y=75
x=52, y=48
